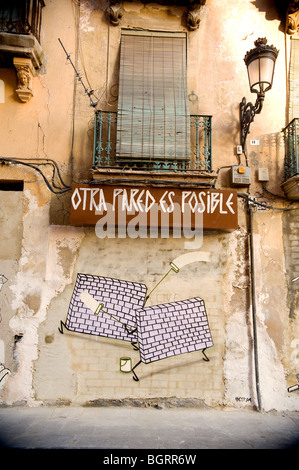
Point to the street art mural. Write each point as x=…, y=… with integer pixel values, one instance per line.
x=105, y=307
x=4, y=371
x=115, y=308
x=170, y=329
x=294, y=387
x=3, y=280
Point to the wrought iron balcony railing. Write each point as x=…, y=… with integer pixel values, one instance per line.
x=104, y=154
x=21, y=16
x=291, y=143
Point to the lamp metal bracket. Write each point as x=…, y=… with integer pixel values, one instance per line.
x=247, y=114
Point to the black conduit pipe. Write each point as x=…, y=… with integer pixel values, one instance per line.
x=253, y=305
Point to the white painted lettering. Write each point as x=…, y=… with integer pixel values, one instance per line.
x=148, y=205
x=185, y=194
x=92, y=203
x=139, y=201
x=214, y=201
x=116, y=193
x=171, y=207
x=202, y=205
x=76, y=204
x=162, y=202
x=229, y=203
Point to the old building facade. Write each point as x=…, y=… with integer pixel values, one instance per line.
x=135, y=106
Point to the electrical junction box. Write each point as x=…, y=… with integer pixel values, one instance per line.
x=263, y=174
x=240, y=175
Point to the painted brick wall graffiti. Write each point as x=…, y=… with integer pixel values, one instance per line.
x=113, y=308
x=174, y=328
x=119, y=298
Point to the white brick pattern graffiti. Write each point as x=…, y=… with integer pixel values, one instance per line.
x=174, y=328
x=119, y=298
x=161, y=330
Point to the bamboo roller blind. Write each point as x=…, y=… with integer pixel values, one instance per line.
x=153, y=112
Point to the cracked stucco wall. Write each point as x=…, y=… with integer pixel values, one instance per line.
x=10, y=250
x=274, y=332
x=44, y=269
x=291, y=246
x=273, y=321
x=27, y=295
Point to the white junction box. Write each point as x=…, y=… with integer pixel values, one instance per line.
x=240, y=175
x=263, y=174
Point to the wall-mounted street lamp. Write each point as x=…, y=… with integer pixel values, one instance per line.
x=260, y=63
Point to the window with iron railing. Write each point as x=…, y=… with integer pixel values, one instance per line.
x=198, y=159
x=153, y=128
x=21, y=16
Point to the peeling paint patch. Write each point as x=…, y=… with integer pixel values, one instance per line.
x=86, y=10
x=62, y=247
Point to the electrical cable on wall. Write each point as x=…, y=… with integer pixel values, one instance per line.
x=48, y=161
x=59, y=190
x=53, y=188
x=254, y=201
x=266, y=206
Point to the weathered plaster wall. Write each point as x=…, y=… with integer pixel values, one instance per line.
x=291, y=246
x=91, y=367
x=93, y=362
x=26, y=291
x=45, y=122
x=10, y=250
x=43, y=272
x=275, y=332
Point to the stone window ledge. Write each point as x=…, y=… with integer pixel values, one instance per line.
x=22, y=45
x=155, y=178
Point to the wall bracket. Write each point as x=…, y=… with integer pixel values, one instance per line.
x=25, y=73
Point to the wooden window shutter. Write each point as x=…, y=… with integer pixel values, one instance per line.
x=153, y=111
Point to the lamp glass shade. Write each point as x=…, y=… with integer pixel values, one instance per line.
x=260, y=74
x=260, y=64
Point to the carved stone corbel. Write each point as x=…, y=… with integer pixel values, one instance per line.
x=193, y=16
x=292, y=18
x=25, y=72
x=115, y=11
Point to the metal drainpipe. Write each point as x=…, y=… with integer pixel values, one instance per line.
x=253, y=303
